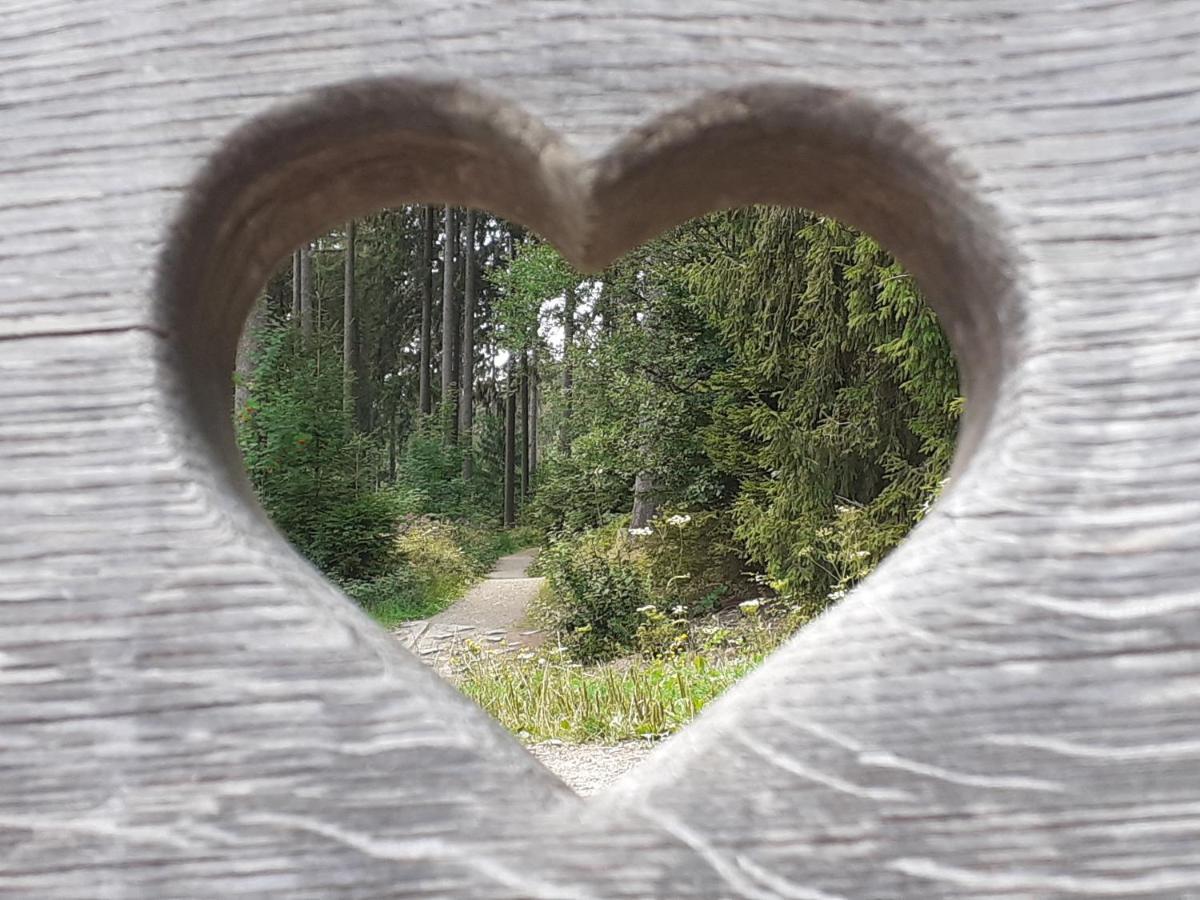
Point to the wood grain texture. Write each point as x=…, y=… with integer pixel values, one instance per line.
x=1009, y=707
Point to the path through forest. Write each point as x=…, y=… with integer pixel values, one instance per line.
x=494, y=614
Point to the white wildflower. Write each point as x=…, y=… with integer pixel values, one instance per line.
x=649, y=607
x=678, y=610
x=862, y=553
x=641, y=532
x=679, y=521
x=749, y=607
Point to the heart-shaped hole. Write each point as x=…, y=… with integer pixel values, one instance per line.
x=710, y=442
x=362, y=147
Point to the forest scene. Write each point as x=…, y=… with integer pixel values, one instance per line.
x=593, y=502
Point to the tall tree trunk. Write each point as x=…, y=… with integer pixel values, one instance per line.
x=645, y=500
x=510, y=445
x=393, y=440
x=525, y=443
x=568, y=375
x=306, y=294
x=535, y=401
x=645, y=494
x=295, y=286
x=466, y=377
x=425, y=396
x=350, y=365
x=247, y=348
x=449, y=328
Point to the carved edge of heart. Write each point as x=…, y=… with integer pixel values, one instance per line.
x=352, y=149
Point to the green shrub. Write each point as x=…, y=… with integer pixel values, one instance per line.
x=431, y=548
x=662, y=634
x=693, y=563
x=353, y=538
x=307, y=466
x=611, y=591
x=399, y=596
x=432, y=562
x=596, y=587
x=484, y=544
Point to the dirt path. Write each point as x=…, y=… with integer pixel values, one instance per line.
x=494, y=614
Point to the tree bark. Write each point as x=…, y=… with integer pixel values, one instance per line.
x=449, y=329
x=425, y=395
x=306, y=294
x=568, y=376
x=466, y=377
x=510, y=445
x=525, y=443
x=350, y=364
x=645, y=501
x=535, y=400
x=393, y=440
x=296, y=286
x=246, y=350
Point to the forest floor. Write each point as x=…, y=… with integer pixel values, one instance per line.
x=493, y=617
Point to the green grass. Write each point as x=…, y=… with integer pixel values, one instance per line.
x=404, y=595
x=543, y=696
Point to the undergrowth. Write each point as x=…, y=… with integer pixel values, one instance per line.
x=436, y=561
x=544, y=696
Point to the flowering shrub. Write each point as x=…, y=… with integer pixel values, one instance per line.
x=613, y=590
x=692, y=560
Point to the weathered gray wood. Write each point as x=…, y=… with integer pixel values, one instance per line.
x=1008, y=708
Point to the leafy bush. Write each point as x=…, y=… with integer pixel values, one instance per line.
x=432, y=548
x=694, y=563
x=596, y=587
x=586, y=489
x=612, y=591
x=400, y=596
x=353, y=539
x=433, y=561
x=484, y=544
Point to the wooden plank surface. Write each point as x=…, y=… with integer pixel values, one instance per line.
x=1009, y=707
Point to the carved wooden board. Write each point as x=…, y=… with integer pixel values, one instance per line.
x=1010, y=707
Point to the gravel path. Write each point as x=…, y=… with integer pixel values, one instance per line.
x=493, y=614
x=589, y=768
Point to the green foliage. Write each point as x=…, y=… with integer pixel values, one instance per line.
x=838, y=413
x=434, y=548
x=542, y=698
x=435, y=561
x=693, y=563
x=596, y=587
x=399, y=596
x=537, y=274
x=588, y=488
x=772, y=367
x=307, y=466
x=429, y=475
x=610, y=591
